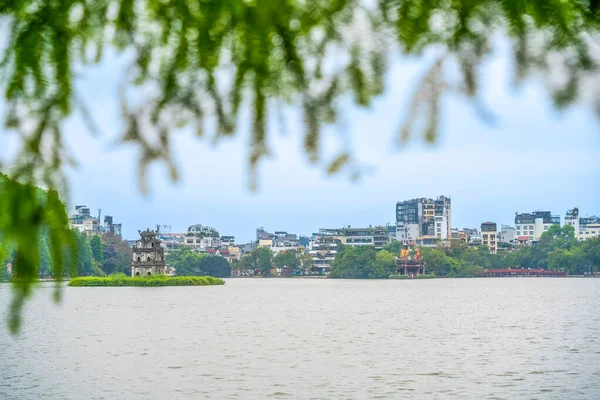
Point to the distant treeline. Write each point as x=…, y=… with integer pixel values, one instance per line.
x=262, y=261
x=190, y=263
x=557, y=249
x=96, y=256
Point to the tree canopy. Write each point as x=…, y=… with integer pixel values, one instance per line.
x=362, y=262
x=197, y=59
x=190, y=263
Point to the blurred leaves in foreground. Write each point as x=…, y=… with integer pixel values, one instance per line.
x=194, y=59
x=26, y=214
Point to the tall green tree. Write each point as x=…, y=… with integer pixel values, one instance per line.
x=385, y=264
x=306, y=260
x=286, y=259
x=264, y=259
x=185, y=261
x=216, y=266
x=438, y=262
x=45, y=268
x=85, y=259
x=393, y=247
x=358, y=263
x=188, y=262
x=260, y=259
x=113, y=261
x=97, y=250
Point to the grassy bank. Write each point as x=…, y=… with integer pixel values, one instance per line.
x=427, y=276
x=150, y=281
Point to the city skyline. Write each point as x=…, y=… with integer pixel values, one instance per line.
x=284, y=228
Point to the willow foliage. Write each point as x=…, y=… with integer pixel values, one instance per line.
x=194, y=59
x=25, y=213
x=198, y=58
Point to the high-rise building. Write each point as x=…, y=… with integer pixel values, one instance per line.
x=111, y=227
x=489, y=235
x=424, y=218
x=322, y=252
x=84, y=221
x=534, y=224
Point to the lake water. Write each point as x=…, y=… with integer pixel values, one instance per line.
x=504, y=338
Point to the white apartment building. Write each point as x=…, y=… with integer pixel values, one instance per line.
x=323, y=251
x=508, y=234
x=589, y=231
x=534, y=224
x=406, y=232
x=200, y=237
x=572, y=218
x=585, y=227
x=427, y=219
x=201, y=243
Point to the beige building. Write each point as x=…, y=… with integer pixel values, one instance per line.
x=589, y=231
x=265, y=243
x=489, y=236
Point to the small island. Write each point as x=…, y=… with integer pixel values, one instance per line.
x=149, y=281
x=147, y=269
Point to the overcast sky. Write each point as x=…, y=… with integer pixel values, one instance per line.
x=533, y=158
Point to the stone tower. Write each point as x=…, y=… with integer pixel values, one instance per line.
x=148, y=255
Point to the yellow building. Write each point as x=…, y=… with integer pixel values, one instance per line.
x=265, y=243
x=489, y=235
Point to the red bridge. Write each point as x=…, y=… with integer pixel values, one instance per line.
x=521, y=272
